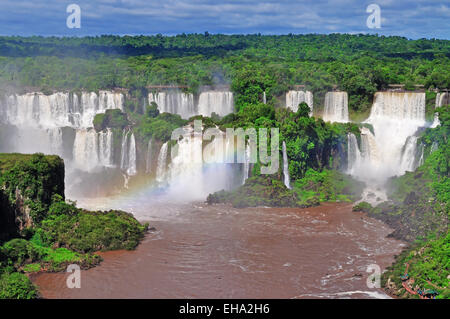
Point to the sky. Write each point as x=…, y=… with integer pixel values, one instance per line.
x=408, y=18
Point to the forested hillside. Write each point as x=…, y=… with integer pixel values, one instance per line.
x=251, y=64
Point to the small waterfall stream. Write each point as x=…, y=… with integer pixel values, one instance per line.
x=287, y=181
x=336, y=107
x=294, y=98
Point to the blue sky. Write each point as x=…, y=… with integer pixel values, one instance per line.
x=412, y=19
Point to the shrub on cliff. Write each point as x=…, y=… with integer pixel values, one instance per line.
x=362, y=207
x=16, y=286
x=29, y=183
x=110, y=119
x=85, y=231
x=257, y=191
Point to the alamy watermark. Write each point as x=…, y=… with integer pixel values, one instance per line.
x=374, y=19
x=374, y=279
x=74, y=19
x=221, y=146
x=74, y=279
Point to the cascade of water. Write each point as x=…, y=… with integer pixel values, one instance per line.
x=336, y=107
x=264, y=98
x=59, y=109
x=394, y=117
x=128, y=153
x=124, y=161
x=246, y=164
x=85, y=149
x=131, y=170
x=392, y=150
x=55, y=140
x=441, y=99
x=294, y=98
x=408, y=158
x=162, y=163
x=219, y=102
x=287, y=181
x=148, y=158
x=353, y=154
x=174, y=102
x=105, y=139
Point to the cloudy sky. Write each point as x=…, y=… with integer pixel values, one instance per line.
x=409, y=18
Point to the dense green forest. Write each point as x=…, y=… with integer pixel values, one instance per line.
x=251, y=64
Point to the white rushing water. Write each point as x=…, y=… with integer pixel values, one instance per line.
x=148, y=158
x=197, y=165
x=336, y=107
x=441, y=100
x=246, y=164
x=219, y=102
x=353, y=154
x=128, y=153
x=287, y=181
x=392, y=150
x=59, y=109
x=92, y=149
x=162, y=163
x=294, y=98
x=174, y=102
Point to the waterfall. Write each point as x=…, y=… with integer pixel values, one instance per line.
x=219, y=102
x=105, y=148
x=131, y=171
x=162, y=163
x=174, y=102
x=294, y=98
x=392, y=150
x=441, y=100
x=246, y=164
x=336, y=107
x=353, y=154
x=55, y=140
x=264, y=98
x=58, y=109
x=92, y=149
x=128, y=153
x=85, y=149
x=408, y=158
x=287, y=181
x=148, y=158
x=124, y=151
x=394, y=117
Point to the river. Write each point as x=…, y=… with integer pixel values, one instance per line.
x=201, y=251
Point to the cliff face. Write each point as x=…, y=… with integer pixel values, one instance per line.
x=27, y=185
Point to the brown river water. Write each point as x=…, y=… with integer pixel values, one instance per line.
x=201, y=251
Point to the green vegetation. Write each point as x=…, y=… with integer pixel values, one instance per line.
x=257, y=191
x=326, y=186
x=40, y=231
x=362, y=207
x=252, y=64
x=314, y=188
x=110, y=119
x=17, y=286
x=159, y=127
x=429, y=267
x=419, y=212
